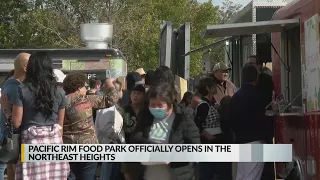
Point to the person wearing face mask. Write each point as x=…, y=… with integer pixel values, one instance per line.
x=163, y=124
x=247, y=111
x=78, y=125
x=224, y=86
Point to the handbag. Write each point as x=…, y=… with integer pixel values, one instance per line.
x=10, y=146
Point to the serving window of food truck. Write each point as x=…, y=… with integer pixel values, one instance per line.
x=290, y=86
x=290, y=57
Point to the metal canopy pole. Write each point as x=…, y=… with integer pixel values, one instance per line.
x=165, y=44
x=183, y=47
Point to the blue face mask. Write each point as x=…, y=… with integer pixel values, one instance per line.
x=159, y=113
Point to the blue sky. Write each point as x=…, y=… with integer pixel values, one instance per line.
x=218, y=2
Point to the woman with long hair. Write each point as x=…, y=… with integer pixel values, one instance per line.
x=39, y=111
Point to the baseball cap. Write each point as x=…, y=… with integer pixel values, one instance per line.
x=133, y=78
x=139, y=88
x=141, y=71
x=59, y=75
x=220, y=67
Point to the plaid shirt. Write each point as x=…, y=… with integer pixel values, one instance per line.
x=213, y=117
x=42, y=170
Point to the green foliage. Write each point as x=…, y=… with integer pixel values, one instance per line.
x=56, y=24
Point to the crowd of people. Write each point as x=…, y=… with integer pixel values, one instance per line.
x=44, y=105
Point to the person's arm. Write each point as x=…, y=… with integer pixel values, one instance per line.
x=106, y=101
x=137, y=135
x=192, y=131
x=9, y=95
x=17, y=113
x=17, y=110
x=201, y=116
x=6, y=106
x=235, y=89
x=61, y=112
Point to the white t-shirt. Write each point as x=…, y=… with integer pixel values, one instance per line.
x=108, y=125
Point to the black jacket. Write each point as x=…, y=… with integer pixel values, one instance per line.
x=265, y=87
x=247, y=112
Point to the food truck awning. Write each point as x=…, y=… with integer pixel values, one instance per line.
x=248, y=28
x=203, y=48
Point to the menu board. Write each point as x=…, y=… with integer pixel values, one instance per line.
x=312, y=66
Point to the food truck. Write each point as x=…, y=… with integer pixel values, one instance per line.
x=295, y=57
x=97, y=59
x=300, y=55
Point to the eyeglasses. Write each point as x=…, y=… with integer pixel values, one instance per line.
x=223, y=71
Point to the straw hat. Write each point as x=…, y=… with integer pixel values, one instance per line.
x=220, y=67
x=59, y=75
x=141, y=71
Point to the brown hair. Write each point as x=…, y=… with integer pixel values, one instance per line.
x=73, y=82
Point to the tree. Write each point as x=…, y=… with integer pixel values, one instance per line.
x=56, y=24
x=226, y=12
x=205, y=14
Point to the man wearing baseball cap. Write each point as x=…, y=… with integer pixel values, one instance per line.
x=224, y=86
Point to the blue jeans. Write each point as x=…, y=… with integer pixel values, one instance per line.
x=82, y=171
x=110, y=171
x=2, y=168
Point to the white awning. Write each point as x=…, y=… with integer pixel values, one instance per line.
x=248, y=28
